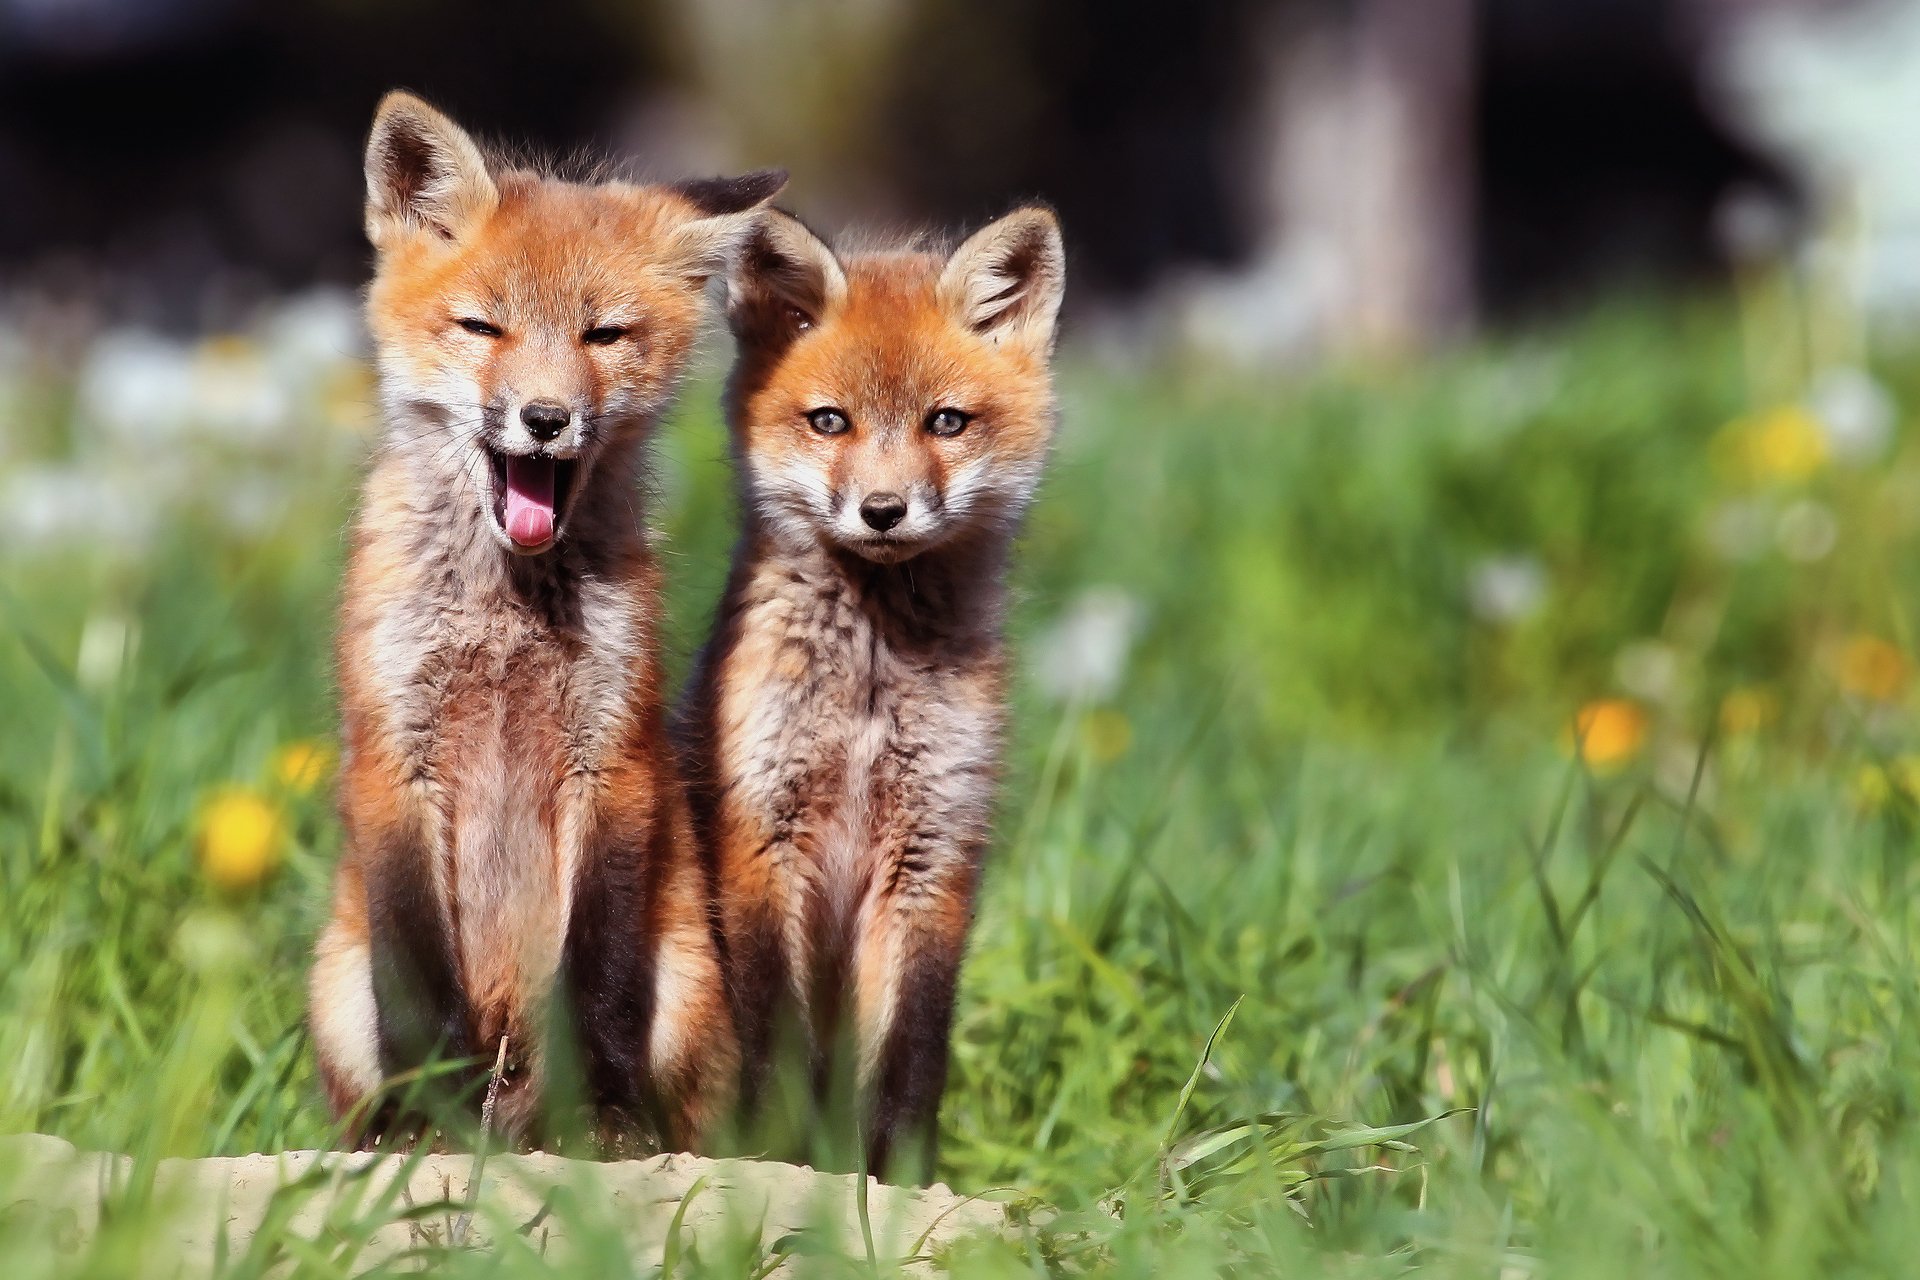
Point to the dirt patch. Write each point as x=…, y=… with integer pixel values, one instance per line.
x=382, y=1206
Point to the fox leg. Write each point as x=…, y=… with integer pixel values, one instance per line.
x=606, y=968
x=764, y=920
x=693, y=1053
x=912, y=935
x=422, y=1010
x=341, y=1014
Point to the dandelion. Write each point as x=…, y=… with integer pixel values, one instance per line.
x=1747, y=711
x=303, y=765
x=1871, y=789
x=1875, y=786
x=240, y=837
x=1608, y=732
x=1870, y=667
x=1781, y=445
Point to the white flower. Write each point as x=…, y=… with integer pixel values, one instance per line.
x=1507, y=588
x=1083, y=655
x=137, y=386
x=106, y=642
x=46, y=505
x=312, y=333
x=1807, y=531
x=1739, y=529
x=1856, y=412
x=236, y=393
x=1648, y=669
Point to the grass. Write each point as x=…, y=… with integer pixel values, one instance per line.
x=1309, y=946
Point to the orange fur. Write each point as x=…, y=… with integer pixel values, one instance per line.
x=890, y=414
x=516, y=831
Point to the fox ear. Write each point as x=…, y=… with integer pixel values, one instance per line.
x=782, y=283
x=1006, y=281
x=716, y=196
x=725, y=210
x=423, y=173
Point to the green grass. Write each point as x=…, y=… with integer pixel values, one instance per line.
x=1667, y=1014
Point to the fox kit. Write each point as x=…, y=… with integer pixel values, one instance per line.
x=517, y=842
x=890, y=414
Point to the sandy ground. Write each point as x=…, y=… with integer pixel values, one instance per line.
x=54, y=1189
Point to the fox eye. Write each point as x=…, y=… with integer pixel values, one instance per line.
x=947, y=422
x=829, y=422
x=481, y=327
x=604, y=335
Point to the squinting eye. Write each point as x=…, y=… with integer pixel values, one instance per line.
x=948, y=422
x=603, y=335
x=829, y=422
x=481, y=327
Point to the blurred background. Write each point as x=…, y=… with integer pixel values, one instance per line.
x=1291, y=177
x=1477, y=413
x=1271, y=185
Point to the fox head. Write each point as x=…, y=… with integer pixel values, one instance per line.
x=528, y=329
x=888, y=403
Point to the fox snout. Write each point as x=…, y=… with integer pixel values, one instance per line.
x=547, y=423
x=882, y=511
x=534, y=456
x=545, y=419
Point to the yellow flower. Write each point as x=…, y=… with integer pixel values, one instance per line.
x=1608, y=732
x=1872, y=788
x=1778, y=445
x=1748, y=710
x=240, y=837
x=1107, y=734
x=1870, y=667
x=301, y=766
x=1875, y=786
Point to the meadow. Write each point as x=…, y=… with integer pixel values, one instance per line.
x=1460, y=820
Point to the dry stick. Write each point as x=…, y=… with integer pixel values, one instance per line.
x=458, y=1236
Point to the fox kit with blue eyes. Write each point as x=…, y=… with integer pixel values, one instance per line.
x=519, y=862
x=890, y=415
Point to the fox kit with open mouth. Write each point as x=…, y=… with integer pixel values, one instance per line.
x=890, y=415
x=518, y=862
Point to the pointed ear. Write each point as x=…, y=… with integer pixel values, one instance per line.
x=423, y=174
x=724, y=212
x=782, y=283
x=1006, y=281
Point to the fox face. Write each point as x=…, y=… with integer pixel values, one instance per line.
x=888, y=403
x=527, y=328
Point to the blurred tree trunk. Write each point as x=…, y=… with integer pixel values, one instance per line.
x=1375, y=173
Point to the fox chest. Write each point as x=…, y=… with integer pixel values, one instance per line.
x=503, y=726
x=857, y=760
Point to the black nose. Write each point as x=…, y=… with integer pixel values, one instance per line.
x=545, y=419
x=882, y=511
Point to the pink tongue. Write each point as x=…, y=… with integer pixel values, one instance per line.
x=529, y=500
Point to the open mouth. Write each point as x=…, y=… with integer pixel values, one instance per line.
x=531, y=494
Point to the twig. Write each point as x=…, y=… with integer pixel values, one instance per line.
x=458, y=1236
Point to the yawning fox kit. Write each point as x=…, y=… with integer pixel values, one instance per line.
x=545, y=897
